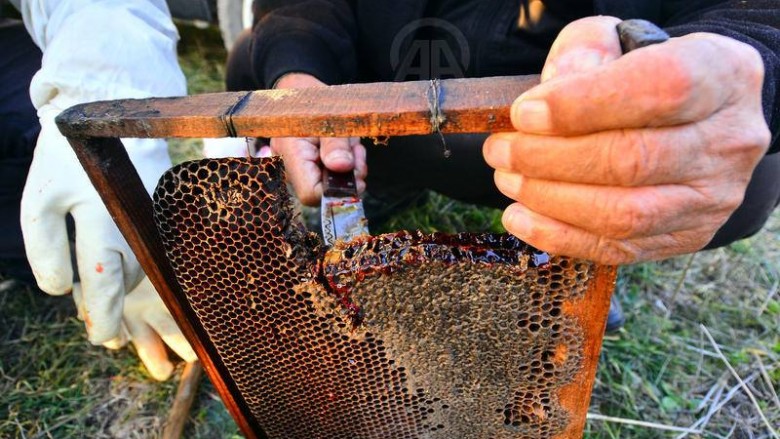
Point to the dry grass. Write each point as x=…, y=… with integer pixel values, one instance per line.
x=660, y=369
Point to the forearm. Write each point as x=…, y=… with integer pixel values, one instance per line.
x=97, y=50
x=316, y=37
x=101, y=50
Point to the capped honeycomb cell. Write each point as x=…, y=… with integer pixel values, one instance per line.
x=404, y=335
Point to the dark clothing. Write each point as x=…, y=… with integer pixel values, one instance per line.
x=406, y=164
x=342, y=41
x=761, y=198
x=20, y=58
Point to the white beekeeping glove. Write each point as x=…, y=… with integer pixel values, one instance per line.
x=92, y=50
x=147, y=323
x=57, y=186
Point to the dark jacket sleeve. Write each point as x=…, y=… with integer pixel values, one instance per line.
x=308, y=36
x=755, y=22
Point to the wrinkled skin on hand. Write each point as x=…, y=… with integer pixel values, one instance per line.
x=636, y=157
x=303, y=157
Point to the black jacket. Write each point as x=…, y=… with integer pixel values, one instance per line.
x=341, y=41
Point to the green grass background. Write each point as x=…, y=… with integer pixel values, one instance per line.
x=659, y=369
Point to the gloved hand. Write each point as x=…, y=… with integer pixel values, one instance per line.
x=92, y=50
x=57, y=186
x=147, y=323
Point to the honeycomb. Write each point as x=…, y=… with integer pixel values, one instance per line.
x=404, y=335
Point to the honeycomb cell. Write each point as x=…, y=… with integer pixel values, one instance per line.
x=405, y=335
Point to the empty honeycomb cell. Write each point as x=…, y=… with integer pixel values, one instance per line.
x=404, y=335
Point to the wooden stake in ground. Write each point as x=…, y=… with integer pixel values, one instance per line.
x=185, y=394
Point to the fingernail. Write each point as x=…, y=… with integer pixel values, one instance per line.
x=532, y=116
x=509, y=183
x=498, y=152
x=516, y=221
x=344, y=156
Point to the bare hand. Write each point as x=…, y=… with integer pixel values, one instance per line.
x=303, y=157
x=636, y=157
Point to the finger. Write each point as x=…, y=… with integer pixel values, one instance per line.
x=560, y=238
x=161, y=321
x=337, y=154
x=114, y=343
x=301, y=160
x=150, y=349
x=361, y=168
x=48, y=250
x=664, y=84
x=618, y=157
x=101, y=273
x=78, y=300
x=264, y=151
x=102, y=294
x=83, y=314
x=144, y=303
x=615, y=212
x=583, y=45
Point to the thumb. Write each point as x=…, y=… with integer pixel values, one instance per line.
x=150, y=349
x=145, y=302
x=583, y=45
x=336, y=154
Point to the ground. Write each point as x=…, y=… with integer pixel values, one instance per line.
x=661, y=368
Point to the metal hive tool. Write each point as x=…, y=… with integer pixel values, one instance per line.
x=404, y=335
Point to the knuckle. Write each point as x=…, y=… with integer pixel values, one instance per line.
x=744, y=67
x=760, y=137
x=630, y=217
x=679, y=87
x=749, y=142
x=615, y=252
x=629, y=158
x=518, y=162
x=716, y=204
x=508, y=155
x=748, y=62
x=684, y=242
x=731, y=201
x=534, y=235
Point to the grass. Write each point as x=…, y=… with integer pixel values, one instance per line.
x=660, y=368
